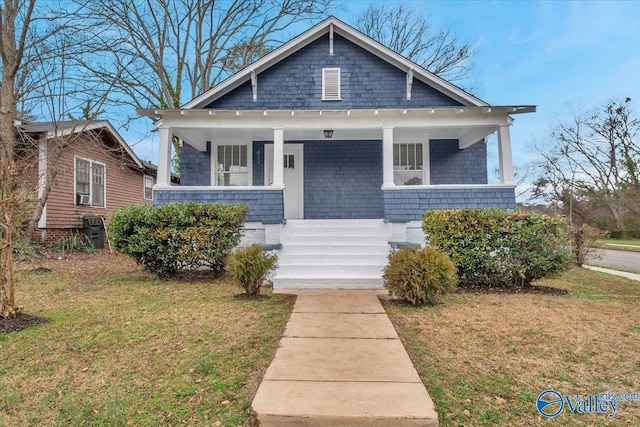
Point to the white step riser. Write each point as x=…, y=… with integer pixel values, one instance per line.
x=343, y=249
x=334, y=223
x=333, y=240
x=329, y=270
x=329, y=283
x=337, y=232
x=333, y=259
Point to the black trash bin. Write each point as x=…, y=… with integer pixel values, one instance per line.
x=93, y=228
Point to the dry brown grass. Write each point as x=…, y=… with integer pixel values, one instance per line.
x=485, y=358
x=123, y=348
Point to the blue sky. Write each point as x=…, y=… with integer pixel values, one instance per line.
x=553, y=54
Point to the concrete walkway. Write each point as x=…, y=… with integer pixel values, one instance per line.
x=341, y=363
x=632, y=276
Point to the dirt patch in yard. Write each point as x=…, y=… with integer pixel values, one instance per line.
x=22, y=321
x=533, y=289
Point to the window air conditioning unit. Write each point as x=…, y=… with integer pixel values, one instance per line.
x=82, y=199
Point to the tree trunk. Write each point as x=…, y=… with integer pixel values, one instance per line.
x=7, y=164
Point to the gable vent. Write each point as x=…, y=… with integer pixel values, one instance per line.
x=331, y=84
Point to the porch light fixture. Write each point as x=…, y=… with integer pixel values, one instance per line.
x=328, y=133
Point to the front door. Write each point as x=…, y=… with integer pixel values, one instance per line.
x=293, y=179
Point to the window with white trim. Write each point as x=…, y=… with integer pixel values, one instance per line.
x=232, y=165
x=331, y=84
x=148, y=187
x=408, y=167
x=89, y=182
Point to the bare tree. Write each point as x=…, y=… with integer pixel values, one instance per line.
x=593, y=160
x=410, y=34
x=12, y=47
x=165, y=52
x=38, y=46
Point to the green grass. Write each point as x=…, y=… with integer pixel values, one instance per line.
x=632, y=245
x=123, y=348
x=485, y=358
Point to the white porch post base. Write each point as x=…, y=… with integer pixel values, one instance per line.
x=272, y=234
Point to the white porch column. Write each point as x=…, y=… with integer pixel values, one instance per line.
x=164, y=157
x=504, y=154
x=387, y=156
x=278, y=156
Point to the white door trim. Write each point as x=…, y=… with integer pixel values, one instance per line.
x=268, y=169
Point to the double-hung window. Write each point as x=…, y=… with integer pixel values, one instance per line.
x=89, y=182
x=232, y=165
x=148, y=187
x=408, y=165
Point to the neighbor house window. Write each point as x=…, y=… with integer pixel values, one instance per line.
x=331, y=84
x=408, y=168
x=231, y=168
x=90, y=182
x=148, y=187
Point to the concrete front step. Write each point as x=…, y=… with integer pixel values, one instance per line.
x=342, y=403
x=335, y=248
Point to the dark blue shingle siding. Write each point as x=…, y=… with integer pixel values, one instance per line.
x=450, y=165
x=410, y=204
x=342, y=179
x=264, y=205
x=195, y=167
x=366, y=82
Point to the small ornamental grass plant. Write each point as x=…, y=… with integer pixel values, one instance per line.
x=419, y=276
x=250, y=267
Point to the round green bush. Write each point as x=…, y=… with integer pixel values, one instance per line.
x=419, y=276
x=250, y=267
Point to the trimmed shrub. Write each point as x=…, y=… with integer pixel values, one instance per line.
x=497, y=247
x=173, y=237
x=250, y=267
x=419, y=276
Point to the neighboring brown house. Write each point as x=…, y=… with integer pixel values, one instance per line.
x=97, y=172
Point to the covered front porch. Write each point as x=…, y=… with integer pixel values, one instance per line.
x=391, y=164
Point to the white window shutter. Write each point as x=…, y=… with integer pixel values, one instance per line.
x=331, y=84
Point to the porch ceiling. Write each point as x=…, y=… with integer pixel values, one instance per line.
x=197, y=137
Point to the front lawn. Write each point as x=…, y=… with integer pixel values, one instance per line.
x=632, y=245
x=123, y=348
x=485, y=358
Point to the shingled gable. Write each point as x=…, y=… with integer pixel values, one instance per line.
x=327, y=28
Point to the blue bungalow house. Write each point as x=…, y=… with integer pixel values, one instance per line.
x=338, y=145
